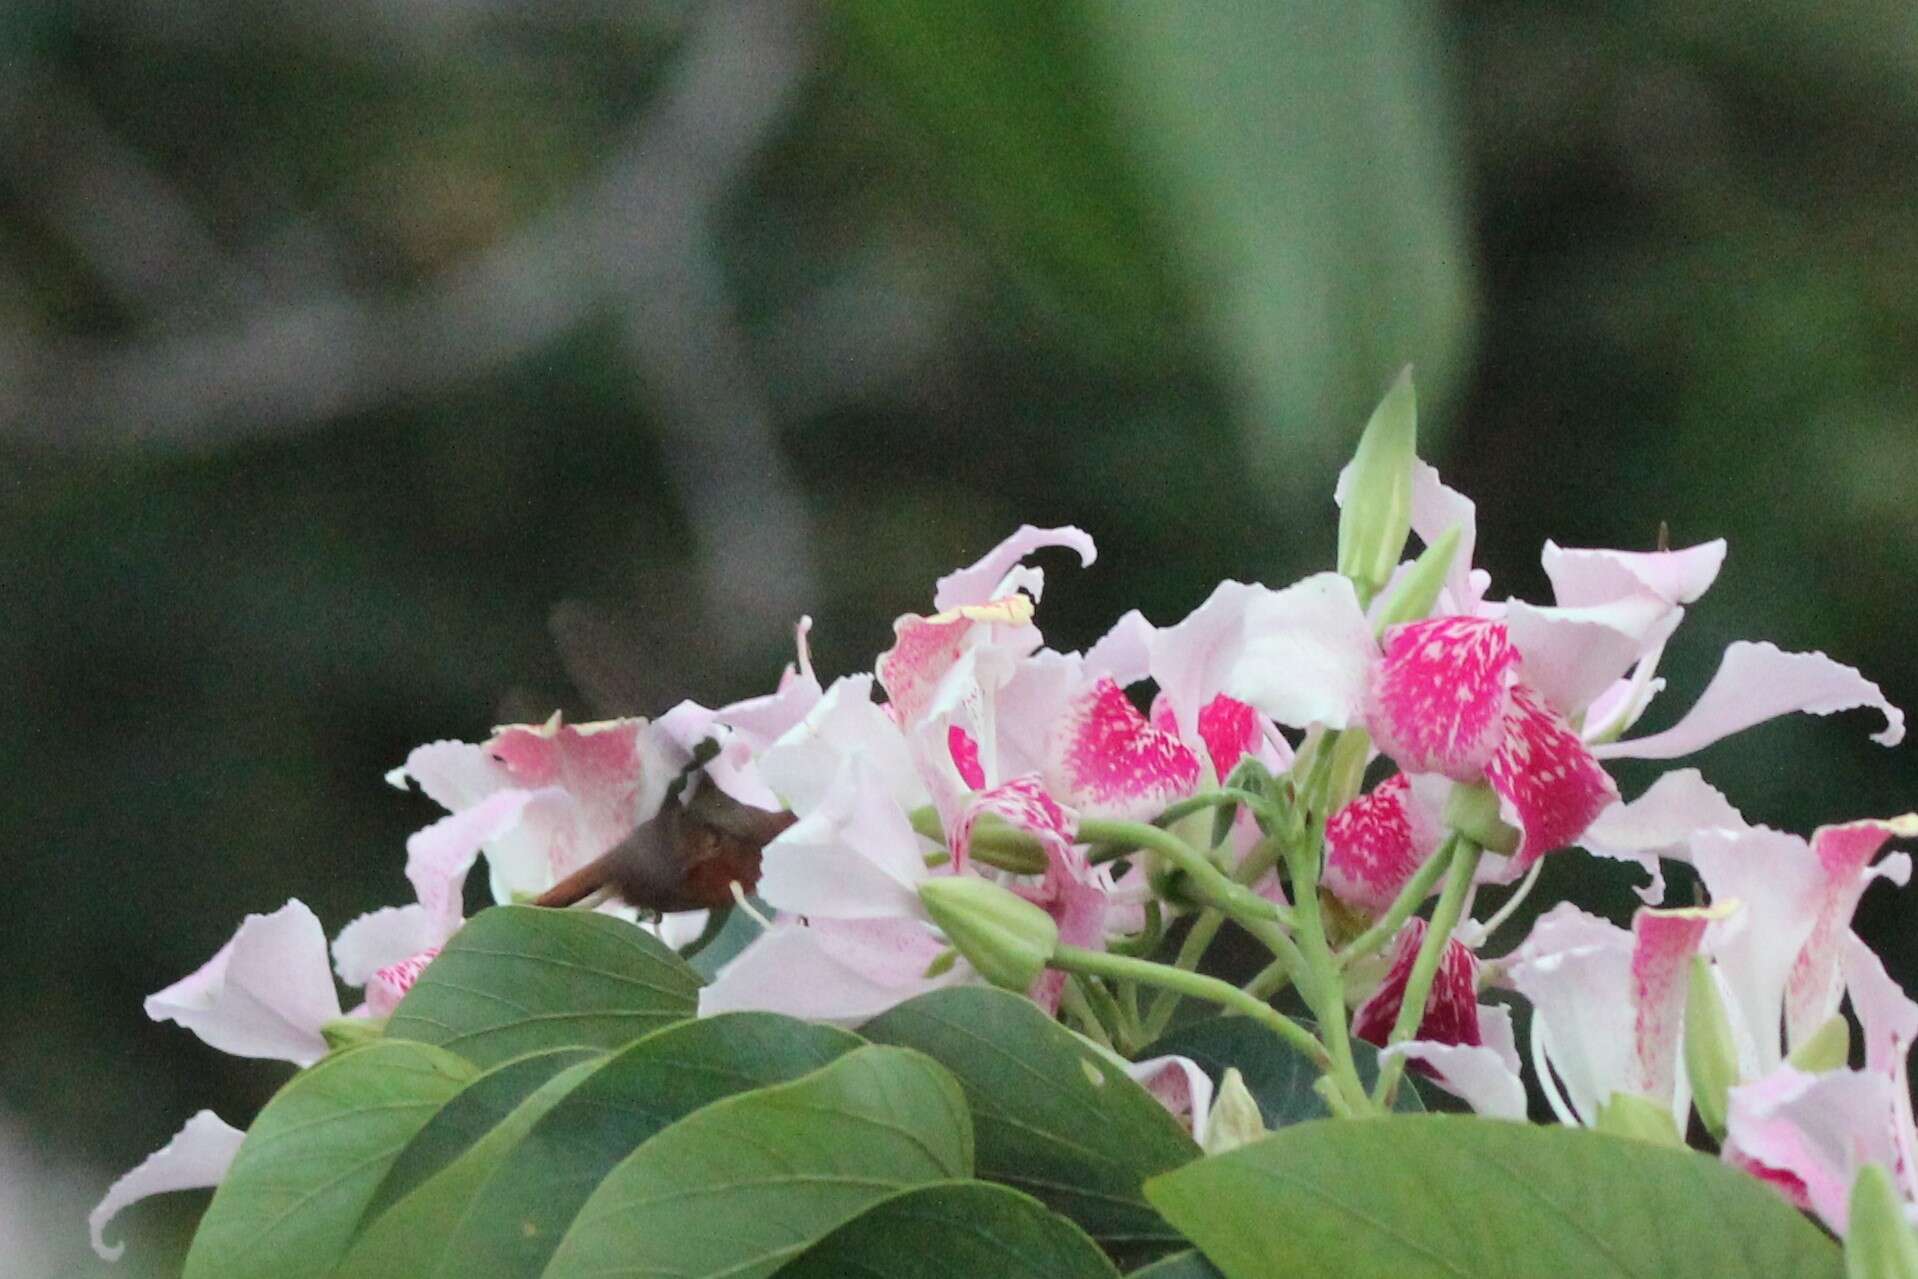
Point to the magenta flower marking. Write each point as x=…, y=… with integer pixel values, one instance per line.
x=1376, y=843
x=390, y=984
x=964, y=749
x=1544, y=773
x=1451, y=1011
x=1107, y=759
x=1439, y=698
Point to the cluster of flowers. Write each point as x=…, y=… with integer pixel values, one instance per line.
x=1009, y=813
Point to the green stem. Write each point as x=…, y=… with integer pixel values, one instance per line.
x=1418, y=986
x=1098, y=963
x=1410, y=898
x=1209, y=799
x=1325, y=990
x=1073, y=1002
x=1212, y=886
x=1270, y=980
x=1204, y=928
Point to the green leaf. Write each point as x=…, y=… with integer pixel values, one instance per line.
x=532, y=1195
x=1279, y=1078
x=518, y=979
x=1454, y=1195
x=745, y=1184
x=410, y=1239
x=1052, y=1117
x=1180, y=1265
x=314, y=1157
x=469, y=1116
x=955, y=1230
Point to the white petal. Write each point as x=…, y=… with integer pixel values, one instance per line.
x=196, y=1158
x=1306, y=654
x=855, y=856
x=1660, y=823
x=1775, y=877
x=265, y=994
x=983, y=581
x=1180, y=1086
x=1124, y=652
x=1576, y=970
x=1191, y=662
x=1572, y=655
x=381, y=938
x=1581, y=576
x=807, y=971
x=801, y=765
x=439, y=856
x=1476, y=1075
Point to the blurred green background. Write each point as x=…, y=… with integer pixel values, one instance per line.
x=349, y=351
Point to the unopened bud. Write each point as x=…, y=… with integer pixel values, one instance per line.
x=1627, y=1114
x=1004, y=936
x=1377, y=509
x=1472, y=810
x=1236, y=1118
x=343, y=1033
x=1417, y=592
x=1878, y=1241
x=1827, y=1048
x=1711, y=1052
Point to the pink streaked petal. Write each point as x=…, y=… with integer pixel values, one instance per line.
x=1886, y=1014
x=1124, y=652
x=1483, y=1076
x=965, y=756
x=1548, y=784
x=585, y=759
x=1078, y=897
x=923, y=651
x=1664, y=942
x=1451, y=1011
x=196, y=1159
x=1180, y=1086
x=1576, y=970
x=1776, y=881
x=1845, y=869
x=1820, y=1129
x=1438, y=702
x=843, y=972
x=380, y=938
x=1757, y=682
x=1587, y=576
x=389, y=985
x=981, y=582
x=1376, y=843
x=1570, y=656
x=1659, y=824
x=1107, y=759
x=1305, y=655
x=439, y=856
x=265, y=994
x=854, y=856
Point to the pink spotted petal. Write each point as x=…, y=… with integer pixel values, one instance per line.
x=1659, y=824
x=1582, y=577
x=983, y=580
x=1438, y=701
x=389, y=985
x=1818, y=1130
x=196, y=1158
x=839, y=971
x=1757, y=682
x=1845, y=870
x=1106, y=759
x=1376, y=843
x=1192, y=661
x=1228, y=728
x=1451, y=1011
x=1664, y=942
x=265, y=994
x=1548, y=784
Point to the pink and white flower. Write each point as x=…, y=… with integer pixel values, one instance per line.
x=196, y=1159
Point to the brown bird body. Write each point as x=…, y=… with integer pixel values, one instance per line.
x=688, y=857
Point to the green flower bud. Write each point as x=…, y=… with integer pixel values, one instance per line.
x=1236, y=1118
x=1626, y=1114
x=1377, y=513
x=1827, y=1048
x=1711, y=1053
x=1878, y=1243
x=1418, y=590
x=1000, y=933
x=1472, y=811
x=343, y=1033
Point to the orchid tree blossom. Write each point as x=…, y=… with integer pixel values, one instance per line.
x=266, y=993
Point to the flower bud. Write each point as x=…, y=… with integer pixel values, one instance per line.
x=1711, y=1052
x=1627, y=1114
x=1377, y=508
x=1827, y=1048
x=1417, y=592
x=343, y=1033
x=1878, y=1242
x=1236, y=1118
x=1004, y=936
x=1472, y=810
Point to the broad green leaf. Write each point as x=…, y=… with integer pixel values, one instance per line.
x=1052, y=1117
x=1180, y=1265
x=1278, y=1077
x=518, y=979
x=314, y=1157
x=465, y=1119
x=1456, y=1195
x=532, y=1195
x=955, y=1230
x=409, y=1239
x=747, y=1183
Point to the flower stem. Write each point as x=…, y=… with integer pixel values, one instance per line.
x=1410, y=898
x=1097, y=963
x=1418, y=986
x=1324, y=987
x=1208, y=799
x=1212, y=886
x=1204, y=928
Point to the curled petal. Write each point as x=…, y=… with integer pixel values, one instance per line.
x=1107, y=759
x=1180, y=1086
x=1582, y=577
x=1548, y=784
x=1438, y=701
x=1304, y=656
x=196, y=1158
x=1376, y=843
x=981, y=582
x=1757, y=682
x=1024, y=804
x=1451, y=1010
x=381, y=938
x=1844, y=855
x=841, y=971
x=1659, y=824
x=265, y=994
